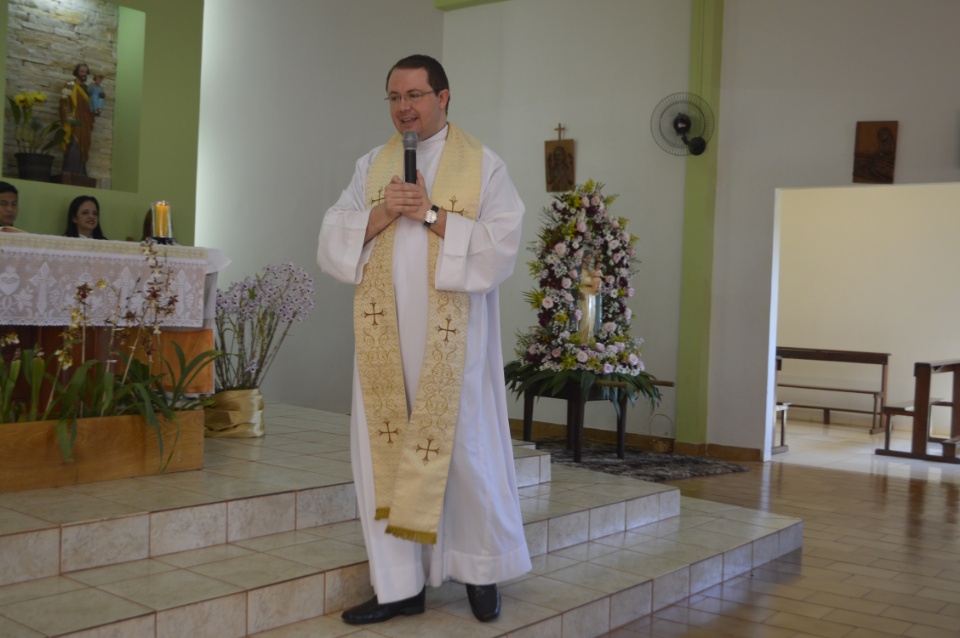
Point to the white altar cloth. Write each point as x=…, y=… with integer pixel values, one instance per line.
x=39, y=275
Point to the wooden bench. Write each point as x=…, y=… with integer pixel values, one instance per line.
x=920, y=409
x=881, y=359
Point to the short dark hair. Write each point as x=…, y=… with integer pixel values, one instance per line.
x=75, y=205
x=436, y=76
x=7, y=187
x=76, y=69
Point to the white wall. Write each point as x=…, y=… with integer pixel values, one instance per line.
x=869, y=268
x=292, y=94
x=797, y=76
x=519, y=68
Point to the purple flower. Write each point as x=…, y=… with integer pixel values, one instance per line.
x=607, y=368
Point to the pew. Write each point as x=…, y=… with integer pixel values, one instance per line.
x=920, y=408
x=878, y=395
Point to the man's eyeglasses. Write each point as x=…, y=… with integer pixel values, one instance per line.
x=412, y=97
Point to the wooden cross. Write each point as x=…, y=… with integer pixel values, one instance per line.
x=373, y=312
x=453, y=206
x=389, y=433
x=448, y=330
x=378, y=199
x=427, y=450
x=560, y=129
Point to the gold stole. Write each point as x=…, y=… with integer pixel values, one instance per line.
x=411, y=457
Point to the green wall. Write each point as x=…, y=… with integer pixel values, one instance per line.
x=700, y=187
x=164, y=161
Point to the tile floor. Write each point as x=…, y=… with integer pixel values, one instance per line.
x=881, y=541
x=881, y=554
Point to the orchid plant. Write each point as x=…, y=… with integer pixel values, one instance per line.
x=579, y=244
x=29, y=132
x=252, y=320
x=132, y=378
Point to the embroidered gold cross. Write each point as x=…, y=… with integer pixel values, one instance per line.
x=378, y=199
x=453, y=206
x=389, y=433
x=373, y=312
x=448, y=330
x=427, y=450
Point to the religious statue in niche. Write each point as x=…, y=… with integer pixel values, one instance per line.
x=875, y=153
x=558, y=155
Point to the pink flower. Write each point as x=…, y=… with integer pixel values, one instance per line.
x=532, y=349
x=582, y=357
x=609, y=326
x=560, y=249
x=614, y=244
x=595, y=200
x=633, y=359
x=585, y=202
x=557, y=352
x=565, y=282
x=617, y=257
x=630, y=292
x=581, y=226
x=547, y=302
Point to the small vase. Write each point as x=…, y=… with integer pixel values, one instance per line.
x=35, y=166
x=235, y=414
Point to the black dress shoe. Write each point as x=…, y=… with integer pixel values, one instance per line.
x=484, y=601
x=372, y=611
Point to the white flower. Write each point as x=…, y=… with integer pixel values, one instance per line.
x=565, y=282
x=630, y=292
x=547, y=302
x=609, y=326
x=628, y=313
x=582, y=356
x=565, y=335
x=633, y=359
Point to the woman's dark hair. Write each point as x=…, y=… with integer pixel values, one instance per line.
x=72, y=212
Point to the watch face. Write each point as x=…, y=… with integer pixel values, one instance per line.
x=430, y=216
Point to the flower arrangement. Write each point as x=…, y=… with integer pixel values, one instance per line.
x=253, y=318
x=67, y=386
x=581, y=251
x=29, y=132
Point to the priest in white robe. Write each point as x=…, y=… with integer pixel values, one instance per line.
x=478, y=537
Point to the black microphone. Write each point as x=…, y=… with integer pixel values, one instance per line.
x=410, y=141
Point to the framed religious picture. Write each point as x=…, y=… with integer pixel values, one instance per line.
x=875, y=152
x=558, y=156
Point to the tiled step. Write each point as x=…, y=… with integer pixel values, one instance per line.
x=227, y=552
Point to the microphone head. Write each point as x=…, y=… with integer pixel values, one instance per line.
x=410, y=141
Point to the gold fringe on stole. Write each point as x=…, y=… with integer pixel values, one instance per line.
x=412, y=459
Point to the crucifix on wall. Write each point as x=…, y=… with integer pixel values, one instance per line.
x=558, y=155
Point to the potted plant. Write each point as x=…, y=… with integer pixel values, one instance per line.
x=33, y=139
x=68, y=418
x=253, y=318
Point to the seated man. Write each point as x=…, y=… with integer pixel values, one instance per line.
x=9, y=197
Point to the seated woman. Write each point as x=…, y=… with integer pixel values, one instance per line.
x=83, y=218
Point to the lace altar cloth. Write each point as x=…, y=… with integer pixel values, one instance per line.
x=39, y=275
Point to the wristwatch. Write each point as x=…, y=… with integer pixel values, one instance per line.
x=431, y=216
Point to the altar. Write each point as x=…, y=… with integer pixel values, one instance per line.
x=40, y=274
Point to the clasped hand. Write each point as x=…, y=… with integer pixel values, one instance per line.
x=409, y=200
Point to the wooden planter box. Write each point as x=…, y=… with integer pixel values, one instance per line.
x=105, y=449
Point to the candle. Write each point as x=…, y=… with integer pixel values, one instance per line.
x=161, y=219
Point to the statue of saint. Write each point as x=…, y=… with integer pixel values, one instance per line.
x=589, y=303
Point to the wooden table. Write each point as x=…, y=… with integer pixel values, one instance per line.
x=576, y=403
